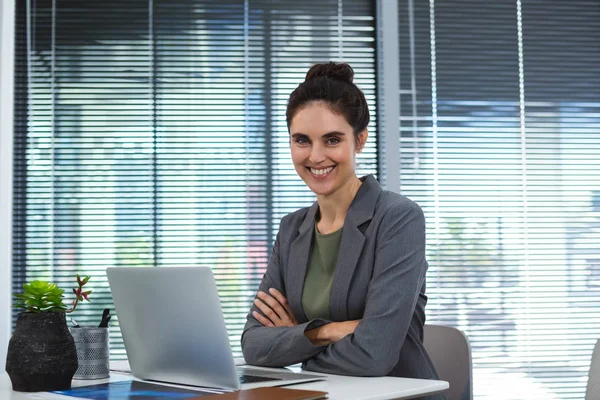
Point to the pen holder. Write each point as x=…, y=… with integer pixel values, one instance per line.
x=92, y=352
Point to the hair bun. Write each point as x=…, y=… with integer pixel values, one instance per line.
x=338, y=71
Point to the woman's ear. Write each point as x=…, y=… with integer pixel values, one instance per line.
x=361, y=140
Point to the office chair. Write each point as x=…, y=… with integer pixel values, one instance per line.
x=593, y=385
x=450, y=352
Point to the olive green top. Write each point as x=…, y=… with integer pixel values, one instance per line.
x=319, y=274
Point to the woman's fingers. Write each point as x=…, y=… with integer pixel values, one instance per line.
x=266, y=311
x=261, y=319
x=279, y=311
x=278, y=296
x=283, y=301
x=275, y=309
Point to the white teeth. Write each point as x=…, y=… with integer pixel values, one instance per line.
x=321, y=171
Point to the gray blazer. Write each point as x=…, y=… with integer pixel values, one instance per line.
x=379, y=278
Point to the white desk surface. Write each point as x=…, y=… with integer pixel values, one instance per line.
x=339, y=387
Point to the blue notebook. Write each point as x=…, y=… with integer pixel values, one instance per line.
x=134, y=390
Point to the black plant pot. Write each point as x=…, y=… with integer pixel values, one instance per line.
x=41, y=353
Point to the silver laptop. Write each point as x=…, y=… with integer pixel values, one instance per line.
x=174, y=331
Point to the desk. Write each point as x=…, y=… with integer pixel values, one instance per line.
x=339, y=387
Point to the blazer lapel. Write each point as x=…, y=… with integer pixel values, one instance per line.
x=299, y=253
x=361, y=210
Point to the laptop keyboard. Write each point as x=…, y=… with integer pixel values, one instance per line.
x=255, y=378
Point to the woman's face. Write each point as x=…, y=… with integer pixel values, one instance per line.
x=323, y=148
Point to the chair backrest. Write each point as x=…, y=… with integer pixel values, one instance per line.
x=450, y=352
x=593, y=386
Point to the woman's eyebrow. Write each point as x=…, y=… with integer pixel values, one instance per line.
x=333, y=133
x=325, y=136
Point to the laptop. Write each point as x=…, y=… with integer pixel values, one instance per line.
x=174, y=331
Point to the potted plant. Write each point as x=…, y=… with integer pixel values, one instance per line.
x=41, y=353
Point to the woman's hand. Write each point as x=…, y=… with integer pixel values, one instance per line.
x=275, y=308
x=331, y=333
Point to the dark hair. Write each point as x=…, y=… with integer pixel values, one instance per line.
x=331, y=83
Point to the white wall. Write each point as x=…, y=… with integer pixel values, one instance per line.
x=7, y=39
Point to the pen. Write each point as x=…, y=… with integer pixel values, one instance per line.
x=75, y=324
x=105, y=318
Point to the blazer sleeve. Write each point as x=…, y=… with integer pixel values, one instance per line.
x=398, y=275
x=276, y=346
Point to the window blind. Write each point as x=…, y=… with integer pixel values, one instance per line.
x=499, y=118
x=152, y=133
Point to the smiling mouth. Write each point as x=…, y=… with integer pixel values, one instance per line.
x=320, y=172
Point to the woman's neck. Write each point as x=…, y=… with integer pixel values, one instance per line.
x=334, y=207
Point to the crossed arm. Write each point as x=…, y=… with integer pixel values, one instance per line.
x=272, y=336
x=275, y=308
x=366, y=347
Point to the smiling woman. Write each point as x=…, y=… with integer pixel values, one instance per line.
x=344, y=290
x=327, y=117
x=323, y=150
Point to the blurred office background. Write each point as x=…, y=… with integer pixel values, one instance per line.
x=152, y=133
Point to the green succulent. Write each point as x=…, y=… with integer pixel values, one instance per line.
x=41, y=296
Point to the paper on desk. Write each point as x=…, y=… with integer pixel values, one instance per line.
x=121, y=366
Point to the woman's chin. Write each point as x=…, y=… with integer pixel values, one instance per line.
x=320, y=188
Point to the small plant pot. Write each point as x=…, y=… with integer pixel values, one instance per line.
x=41, y=353
x=93, y=352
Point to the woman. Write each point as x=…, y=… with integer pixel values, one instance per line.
x=344, y=291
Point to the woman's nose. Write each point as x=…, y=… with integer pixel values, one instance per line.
x=317, y=154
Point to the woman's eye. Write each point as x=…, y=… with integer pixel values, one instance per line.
x=301, y=140
x=333, y=140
